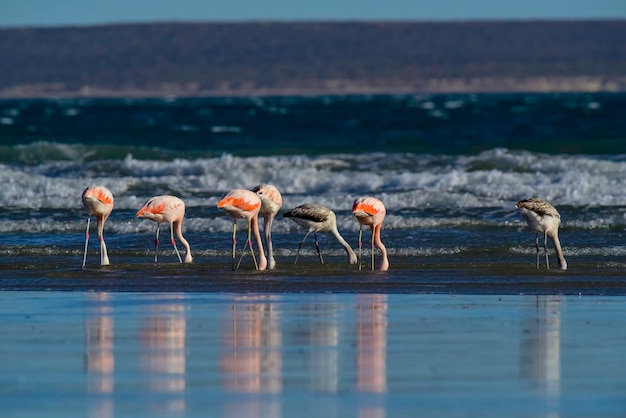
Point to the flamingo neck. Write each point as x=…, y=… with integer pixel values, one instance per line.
x=257, y=235
x=559, y=251
x=104, y=256
x=183, y=241
x=384, y=265
x=267, y=227
x=352, y=259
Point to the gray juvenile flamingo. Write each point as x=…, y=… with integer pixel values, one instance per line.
x=544, y=219
x=317, y=218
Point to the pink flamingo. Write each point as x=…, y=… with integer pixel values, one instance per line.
x=168, y=209
x=241, y=203
x=98, y=201
x=271, y=202
x=371, y=211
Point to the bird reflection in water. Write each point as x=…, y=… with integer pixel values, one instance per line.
x=322, y=336
x=541, y=350
x=372, y=352
x=162, y=336
x=251, y=361
x=99, y=356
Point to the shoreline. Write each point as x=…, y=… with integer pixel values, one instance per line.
x=476, y=85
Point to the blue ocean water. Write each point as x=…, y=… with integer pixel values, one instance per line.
x=462, y=324
x=449, y=169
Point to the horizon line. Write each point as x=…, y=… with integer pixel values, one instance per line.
x=310, y=21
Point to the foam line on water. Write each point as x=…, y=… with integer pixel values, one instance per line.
x=461, y=190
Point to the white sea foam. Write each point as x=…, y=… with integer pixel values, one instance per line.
x=615, y=251
x=420, y=191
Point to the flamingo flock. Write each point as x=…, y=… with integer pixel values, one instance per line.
x=265, y=200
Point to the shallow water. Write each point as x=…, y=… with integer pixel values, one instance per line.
x=444, y=260
x=108, y=354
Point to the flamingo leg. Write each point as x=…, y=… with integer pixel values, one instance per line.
x=317, y=247
x=300, y=246
x=174, y=242
x=545, y=248
x=156, y=242
x=267, y=228
x=234, y=243
x=243, y=252
x=86, y=241
x=373, y=248
x=248, y=244
x=537, y=247
x=256, y=266
x=360, y=247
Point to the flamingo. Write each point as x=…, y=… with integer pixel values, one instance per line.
x=98, y=201
x=241, y=203
x=170, y=209
x=371, y=211
x=317, y=218
x=271, y=202
x=543, y=218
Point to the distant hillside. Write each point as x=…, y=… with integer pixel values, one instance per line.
x=312, y=58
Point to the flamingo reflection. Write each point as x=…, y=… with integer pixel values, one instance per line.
x=251, y=361
x=372, y=351
x=541, y=350
x=100, y=359
x=324, y=342
x=372, y=343
x=162, y=335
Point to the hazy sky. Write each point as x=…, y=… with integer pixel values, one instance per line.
x=85, y=12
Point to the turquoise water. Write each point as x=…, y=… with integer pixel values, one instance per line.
x=337, y=355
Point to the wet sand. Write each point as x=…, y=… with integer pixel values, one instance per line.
x=107, y=354
x=490, y=274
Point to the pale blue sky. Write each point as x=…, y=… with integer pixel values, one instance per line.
x=87, y=12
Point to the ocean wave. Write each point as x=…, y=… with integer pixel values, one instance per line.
x=419, y=190
x=41, y=152
x=67, y=222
